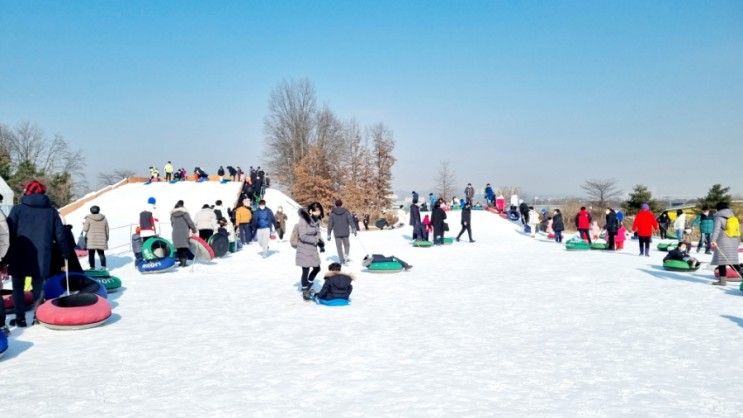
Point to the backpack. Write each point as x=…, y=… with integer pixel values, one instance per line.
x=732, y=227
x=294, y=238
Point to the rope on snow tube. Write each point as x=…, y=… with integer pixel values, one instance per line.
x=78, y=311
x=56, y=286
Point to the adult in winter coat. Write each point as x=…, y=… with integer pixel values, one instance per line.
x=706, y=223
x=308, y=229
x=243, y=219
x=524, y=211
x=183, y=227
x=96, y=231
x=466, y=221
x=725, y=242
x=533, y=221
x=679, y=224
x=583, y=223
x=4, y=245
x=558, y=225
x=489, y=195
x=220, y=172
x=612, y=226
x=663, y=222
x=233, y=173
x=438, y=221
x=263, y=224
x=280, y=221
x=337, y=285
x=206, y=222
x=469, y=193
x=35, y=229
x=415, y=222
x=644, y=225
x=342, y=226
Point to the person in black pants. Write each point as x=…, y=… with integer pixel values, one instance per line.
x=663, y=221
x=612, y=226
x=558, y=225
x=466, y=221
x=438, y=218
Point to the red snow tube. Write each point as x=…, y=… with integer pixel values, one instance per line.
x=78, y=311
x=200, y=248
x=730, y=275
x=28, y=298
x=81, y=253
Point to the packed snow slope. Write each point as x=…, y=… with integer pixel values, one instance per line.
x=506, y=326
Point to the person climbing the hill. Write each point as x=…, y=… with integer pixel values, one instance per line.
x=489, y=195
x=168, y=169
x=612, y=226
x=524, y=212
x=725, y=241
x=681, y=253
x=469, y=193
x=466, y=221
x=263, y=224
x=148, y=223
x=183, y=227
x=706, y=223
x=679, y=225
x=35, y=229
x=415, y=221
x=644, y=225
x=243, y=219
x=95, y=227
x=621, y=237
x=533, y=221
x=558, y=225
x=337, y=285
x=206, y=222
x=280, y=222
x=663, y=222
x=240, y=174
x=583, y=223
x=342, y=226
x=308, y=243
x=438, y=221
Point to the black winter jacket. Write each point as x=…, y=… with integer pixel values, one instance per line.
x=467, y=214
x=341, y=222
x=415, y=215
x=612, y=225
x=337, y=286
x=557, y=223
x=437, y=220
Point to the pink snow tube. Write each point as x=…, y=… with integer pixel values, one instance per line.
x=28, y=298
x=81, y=253
x=730, y=275
x=78, y=311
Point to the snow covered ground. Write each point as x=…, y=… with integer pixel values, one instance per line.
x=506, y=326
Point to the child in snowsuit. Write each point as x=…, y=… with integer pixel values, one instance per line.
x=681, y=253
x=427, y=228
x=619, y=239
x=595, y=230
x=532, y=220
x=337, y=285
x=137, y=246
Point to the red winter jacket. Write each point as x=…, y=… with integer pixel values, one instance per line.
x=645, y=223
x=583, y=220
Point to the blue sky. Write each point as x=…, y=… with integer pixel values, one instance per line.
x=537, y=94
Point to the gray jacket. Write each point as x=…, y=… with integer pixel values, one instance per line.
x=182, y=225
x=309, y=236
x=4, y=235
x=341, y=222
x=96, y=232
x=727, y=247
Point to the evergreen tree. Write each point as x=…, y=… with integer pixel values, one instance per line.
x=639, y=195
x=715, y=195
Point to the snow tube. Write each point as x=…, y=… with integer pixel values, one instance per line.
x=160, y=265
x=333, y=302
x=9, y=306
x=97, y=274
x=599, y=245
x=730, y=274
x=223, y=181
x=79, y=252
x=578, y=244
x=385, y=267
x=422, y=244
x=157, y=247
x=678, y=265
x=220, y=244
x=57, y=285
x=550, y=236
x=3, y=343
x=200, y=249
x=513, y=216
x=111, y=283
x=78, y=311
x=667, y=246
x=380, y=223
x=448, y=240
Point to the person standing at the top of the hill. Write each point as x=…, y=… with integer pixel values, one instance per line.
x=644, y=225
x=663, y=222
x=308, y=243
x=432, y=199
x=154, y=174
x=206, y=222
x=220, y=172
x=96, y=231
x=706, y=224
x=415, y=221
x=183, y=227
x=611, y=226
x=533, y=221
x=558, y=225
x=253, y=176
x=147, y=220
x=438, y=221
x=489, y=195
x=583, y=223
x=263, y=224
x=34, y=227
x=469, y=193
x=725, y=241
x=466, y=221
x=168, y=169
x=243, y=219
x=524, y=211
x=280, y=222
x=415, y=196
x=232, y=172
x=342, y=226
x=679, y=225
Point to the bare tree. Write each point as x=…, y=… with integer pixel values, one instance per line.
x=106, y=178
x=601, y=191
x=508, y=191
x=445, y=180
x=383, y=146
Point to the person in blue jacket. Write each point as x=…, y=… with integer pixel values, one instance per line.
x=337, y=285
x=35, y=230
x=489, y=195
x=263, y=224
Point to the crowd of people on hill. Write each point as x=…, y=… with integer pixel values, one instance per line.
x=255, y=176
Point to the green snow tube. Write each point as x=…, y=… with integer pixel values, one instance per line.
x=233, y=246
x=385, y=267
x=103, y=277
x=577, y=245
x=599, y=246
x=156, y=247
x=422, y=244
x=448, y=240
x=678, y=265
x=667, y=246
x=97, y=274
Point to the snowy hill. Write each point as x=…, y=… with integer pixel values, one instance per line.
x=506, y=326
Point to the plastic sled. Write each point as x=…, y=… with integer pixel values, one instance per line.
x=333, y=302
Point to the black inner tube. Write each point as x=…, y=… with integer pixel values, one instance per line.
x=76, y=300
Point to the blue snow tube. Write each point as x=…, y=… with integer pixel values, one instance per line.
x=333, y=302
x=159, y=265
x=3, y=343
x=56, y=285
x=513, y=216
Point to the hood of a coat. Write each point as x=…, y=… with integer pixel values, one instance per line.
x=339, y=210
x=96, y=217
x=36, y=200
x=179, y=212
x=726, y=213
x=338, y=273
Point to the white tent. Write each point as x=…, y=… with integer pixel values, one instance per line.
x=8, y=195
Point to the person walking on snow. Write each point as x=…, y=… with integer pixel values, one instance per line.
x=583, y=223
x=342, y=225
x=280, y=222
x=438, y=221
x=308, y=243
x=263, y=223
x=645, y=224
x=466, y=221
x=168, y=171
x=725, y=242
x=206, y=222
x=243, y=219
x=706, y=224
x=220, y=173
x=415, y=221
x=469, y=193
x=612, y=226
x=663, y=222
x=489, y=195
x=183, y=227
x=558, y=225
x=95, y=227
x=679, y=225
